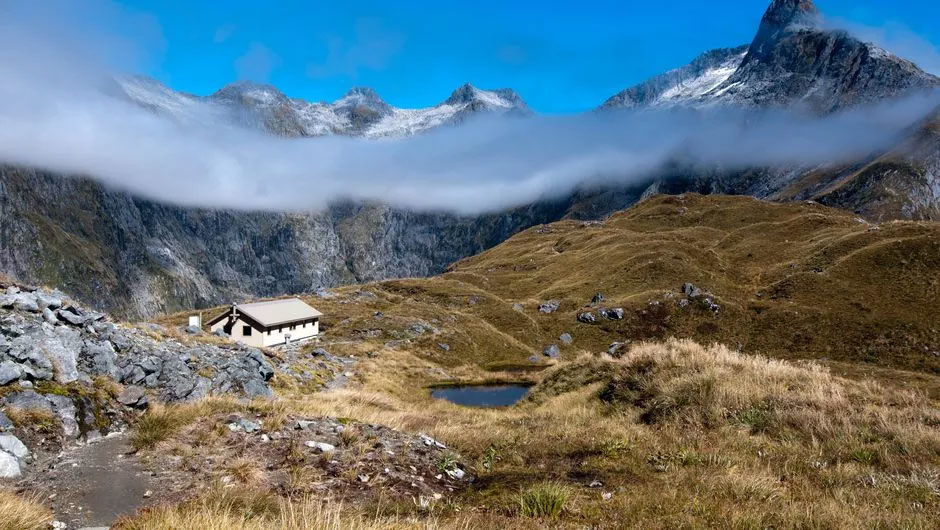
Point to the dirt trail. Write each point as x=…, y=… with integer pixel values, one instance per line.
x=95, y=484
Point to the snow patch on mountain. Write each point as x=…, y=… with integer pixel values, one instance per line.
x=360, y=112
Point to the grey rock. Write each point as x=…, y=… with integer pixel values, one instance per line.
x=443, y=346
x=11, y=444
x=616, y=348
x=518, y=307
x=587, y=318
x=615, y=313
x=551, y=351
x=320, y=447
x=62, y=348
x=9, y=466
x=28, y=400
x=9, y=372
x=254, y=388
x=50, y=317
x=597, y=298
x=26, y=302
x=691, y=290
x=549, y=307
x=7, y=301
x=5, y=423
x=47, y=300
x=534, y=359
x=221, y=333
x=566, y=339
x=133, y=396
x=193, y=330
x=71, y=317
x=65, y=409
x=102, y=358
x=243, y=424
x=324, y=293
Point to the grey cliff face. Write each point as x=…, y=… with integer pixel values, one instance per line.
x=137, y=258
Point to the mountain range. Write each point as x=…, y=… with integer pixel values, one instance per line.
x=136, y=257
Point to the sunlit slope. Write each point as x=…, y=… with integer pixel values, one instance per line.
x=791, y=280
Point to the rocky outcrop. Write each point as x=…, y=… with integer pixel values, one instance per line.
x=80, y=345
x=136, y=258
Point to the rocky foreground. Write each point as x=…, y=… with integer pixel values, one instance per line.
x=68, y=373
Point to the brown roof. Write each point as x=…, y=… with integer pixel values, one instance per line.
x=276, y=312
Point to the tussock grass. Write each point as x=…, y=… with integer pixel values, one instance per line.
x=243, y=508
x=543, y=500
x=19, y=512
x=160, y=422
x=41, y=420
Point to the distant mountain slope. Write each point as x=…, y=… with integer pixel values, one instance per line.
x=795, y=62
x=786, y=280
x=361, y=112
x=792, y=60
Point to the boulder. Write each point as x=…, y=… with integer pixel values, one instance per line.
x=551, y=351
x=28, y=400
x=102, y=358
x=72, y=318
x=26, y=302
x=7, y=301
x=9, y=372
x=566, y=339
x=221, y=333
x=587, y=318
x=691, y=290
x=518, y=307
x=254, y=388
x=549, y=307
x=62, y=349
x=47, y=300
x=597, y=298
x=133, y=396
x=9, y=466
x=50, y=317
x=243, y=424
x=65, y=409
x=11, y=444
x=5, y=423
x=616, y=348
x=444, y=346
x=615, y=313
x=320, y=447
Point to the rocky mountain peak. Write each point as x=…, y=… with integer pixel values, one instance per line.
x=781, y=17
x=478, y=99
x=249, y=92
x=463, y=94
x=361, y=95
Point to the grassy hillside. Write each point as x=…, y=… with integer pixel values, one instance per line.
x=760, y=430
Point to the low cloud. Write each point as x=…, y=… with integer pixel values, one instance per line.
x=896, y=38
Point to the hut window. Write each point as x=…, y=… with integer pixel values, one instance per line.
x=246, y=331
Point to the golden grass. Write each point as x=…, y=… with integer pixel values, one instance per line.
x=41, y=420
x=681, y=435
x=252, y=509
x=19, y=512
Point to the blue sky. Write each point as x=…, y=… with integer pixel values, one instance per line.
x=560, y=57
